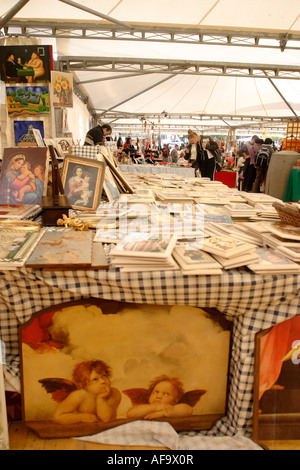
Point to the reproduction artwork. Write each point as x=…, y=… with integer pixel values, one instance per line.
x=276, y=402
x=26, y=64
x=24, y=135
x=94, y=364
x=82, y=180
x=27, y=100
x=62, y=89
x=24, y=175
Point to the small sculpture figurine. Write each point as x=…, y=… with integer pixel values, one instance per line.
x=72, y=222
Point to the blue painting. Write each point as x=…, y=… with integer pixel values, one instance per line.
x=24, y=133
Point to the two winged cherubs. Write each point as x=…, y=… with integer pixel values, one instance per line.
x=91, y=398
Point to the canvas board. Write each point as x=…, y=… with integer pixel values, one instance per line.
x=24, y=175
x=140, y=347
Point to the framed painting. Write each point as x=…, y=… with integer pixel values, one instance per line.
x=62, y=89
x=24, y=175
x=82, y=180
x=25, y=100
x=24, y=135
x=26, y=64
x=276, y=401
x=149, y=364
x=110, y=186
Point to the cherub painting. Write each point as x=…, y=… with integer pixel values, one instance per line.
x=164, y=398
x=89, y=398
x=84, y=364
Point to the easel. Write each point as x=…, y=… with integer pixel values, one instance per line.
x=58, y=204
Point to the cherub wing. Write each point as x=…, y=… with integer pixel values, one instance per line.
x=192, y=397
x=138, y=396
x=59, y=388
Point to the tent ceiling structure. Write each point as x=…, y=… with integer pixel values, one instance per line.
x=217, y=65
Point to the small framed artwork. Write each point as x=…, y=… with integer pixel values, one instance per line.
x=24, y=136
x=74, y=384
x=24, y=176
x=110, y=186
x=118, y=175
x=276, y=400
x=62, y=89
x=38, y=137
x=82, y=180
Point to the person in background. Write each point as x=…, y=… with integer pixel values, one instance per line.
x=96, y=135
x=210, y=157
x=249, y=170
x=194, y=153
x=165, y=153
x=261, y=172
x=174, y=154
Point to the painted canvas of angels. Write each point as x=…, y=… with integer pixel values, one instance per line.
x=84, y=371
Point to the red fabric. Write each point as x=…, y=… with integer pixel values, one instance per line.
x=226, y=177
x=273, y=347
x=37, y=331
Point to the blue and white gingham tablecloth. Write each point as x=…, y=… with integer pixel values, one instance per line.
x=252, y=302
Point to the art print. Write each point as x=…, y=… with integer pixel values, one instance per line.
x=24, y=135
x=27, y=100
x=276, y=403
x=179, y=377
x=82, y=179
x=62, y=89
x=26, y=64
x=24, y=175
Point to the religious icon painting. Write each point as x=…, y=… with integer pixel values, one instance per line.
x=75, y=385
x=82, y=180
x=24, y=175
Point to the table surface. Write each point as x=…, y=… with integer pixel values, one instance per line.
x=252, y=302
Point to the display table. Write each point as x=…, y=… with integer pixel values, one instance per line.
x=157, y=169
x=252, y=302
x=227, y=177
x=292, y=192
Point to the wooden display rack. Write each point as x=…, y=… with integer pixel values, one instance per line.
x=292, y=140
x=54, y=207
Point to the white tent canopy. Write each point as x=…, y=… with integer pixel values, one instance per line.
x=202, y=63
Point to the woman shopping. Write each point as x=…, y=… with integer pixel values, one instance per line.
x=201, y=154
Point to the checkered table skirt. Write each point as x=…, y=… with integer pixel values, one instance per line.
x=252, y=302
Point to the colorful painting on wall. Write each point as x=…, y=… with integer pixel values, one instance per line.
x=26, y=64
x=24, y=135
x=27, y=100
x=276, y=403
x=62, y=89
x=24, y=175
x=148, y=365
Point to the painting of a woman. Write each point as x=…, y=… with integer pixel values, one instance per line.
x=23, y=174
x=75, y=184
x=37, y=65
x=9, y=176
